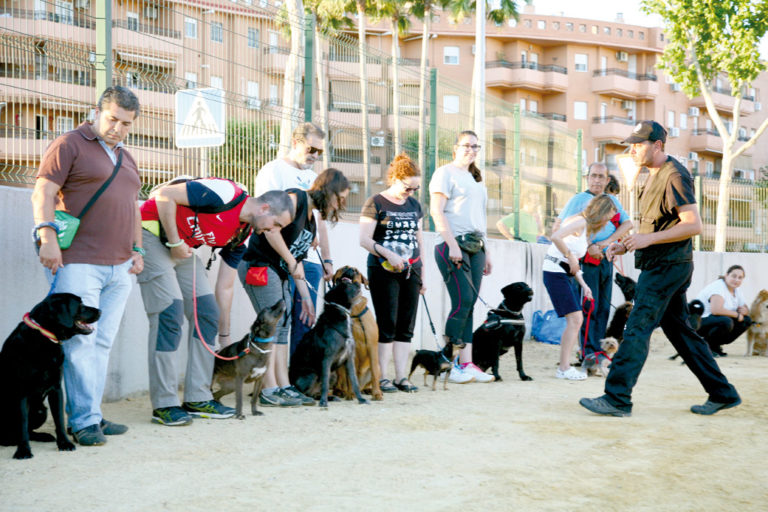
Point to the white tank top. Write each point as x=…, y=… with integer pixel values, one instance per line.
x=577, y=244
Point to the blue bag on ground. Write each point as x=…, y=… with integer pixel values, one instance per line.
x=547, y=327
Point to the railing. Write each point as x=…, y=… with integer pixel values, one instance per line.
x=552, y=116
x=70, y=18
x=705, y=132
x=625, y=74
x=147, y=29
x=614, y=119
x=525, y=65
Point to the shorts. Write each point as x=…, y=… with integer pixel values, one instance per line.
x=560, y=287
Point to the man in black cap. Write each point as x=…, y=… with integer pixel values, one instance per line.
x=664, y=254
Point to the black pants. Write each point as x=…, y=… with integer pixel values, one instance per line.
x=598, y=278
x=463, y=296
x=395, y=298
x=660, y=300
x=722, y=330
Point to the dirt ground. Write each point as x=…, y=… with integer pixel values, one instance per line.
x=508, y=445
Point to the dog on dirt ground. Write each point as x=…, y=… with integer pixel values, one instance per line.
x=30, y=371
x=435, y=363
x=609, y=346
x=504, y=328
x=328, y=346
x=366, y=334
x=757, y=335
x=252, y=353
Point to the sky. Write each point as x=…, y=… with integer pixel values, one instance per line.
x=605, y=10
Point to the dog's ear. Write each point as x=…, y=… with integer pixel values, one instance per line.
x=364, y=281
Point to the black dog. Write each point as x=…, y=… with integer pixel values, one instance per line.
x=327, y=346
x=30, y=370
x=695, y=310
x=503, y=329
x=434, y=362
x=618, y=322
x=627, y=286
x=252, y=354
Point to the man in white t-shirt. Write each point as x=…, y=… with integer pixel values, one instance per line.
x=295, y=170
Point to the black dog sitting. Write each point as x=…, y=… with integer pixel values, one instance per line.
x=627, y=286
x=503, y=329
x=434, y=362
x=253, y=351
x=327, y=346
x=30, y=370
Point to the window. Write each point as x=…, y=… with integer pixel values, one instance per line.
x=630, y=34
x=595, y=29
x=683, y=121
x=670, y=118
x=580, y=110
x=451, y=55
x=582, y=28
x=450, y=104
x=217, y=32
x=607, y=31
x=274, y=94
x=619, y=32
x=191, y=79
x=190, y=28
x=533, y=106
x=133, y=21
x=541, y=25
x=273, y=39
x=556, y=25
x=512, y=22
x=527, y=23
x=524, y=57
x=217, y=82
x=581, y=61
x=641, y=35
x=523, y=104
x=253, y=38
x=569, y=26
x=64, y=12
x=252, y=92
x=64, y=124
x=710, y=168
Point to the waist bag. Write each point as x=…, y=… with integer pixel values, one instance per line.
x=471, y=243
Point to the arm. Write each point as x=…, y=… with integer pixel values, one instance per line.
x=717, y=306
x=275, y=239
x=325, y=248
x=438, y=201
x=596, y=250
x=689, y=226
x=138, y=259
x=502, y=227
x=420, y=240
x=225, y=291
x=557, y=239
x=367, y=227
x=43, y=203
x=167, y=198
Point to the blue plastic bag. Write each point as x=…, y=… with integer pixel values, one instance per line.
x=547, y=327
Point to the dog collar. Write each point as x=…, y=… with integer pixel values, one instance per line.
x=345, y=310
x=34, y=325
x=259, y=340
x=364, y=311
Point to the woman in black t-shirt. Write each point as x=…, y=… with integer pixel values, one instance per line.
x=390, y=229
x=273, y=256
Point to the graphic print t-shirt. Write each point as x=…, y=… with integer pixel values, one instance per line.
x=396, y=226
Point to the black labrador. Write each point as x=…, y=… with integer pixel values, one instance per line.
x=252, y=354
x=30, y=370
x=327, y=346
x=503, y=329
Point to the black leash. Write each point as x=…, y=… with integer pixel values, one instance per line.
x=431, y=324
x=468, y=276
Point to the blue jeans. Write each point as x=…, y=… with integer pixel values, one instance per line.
x=106, y=287
x=313, y=273
x=599, y=279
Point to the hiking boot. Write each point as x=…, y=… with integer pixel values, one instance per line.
x=90, y=436
x=709, y=407
x=478, y=374
x=292, y=392
x=600, y=405
x=171, y=416
x=211, y=409
x=278, y=398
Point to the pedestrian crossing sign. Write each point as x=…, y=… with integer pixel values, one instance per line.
x=200, y=118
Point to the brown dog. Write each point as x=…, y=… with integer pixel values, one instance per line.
x=757, y=335
x=366, y=334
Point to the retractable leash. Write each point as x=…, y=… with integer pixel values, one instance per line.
x=431, y=324
x=469, y=281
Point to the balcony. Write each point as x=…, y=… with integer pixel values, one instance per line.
x=614, y=128
x=526, y=75
x=706, y=141
x=623, y=84
x=724, y=102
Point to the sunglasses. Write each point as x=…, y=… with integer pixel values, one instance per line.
x=473, y=147
x=411, y=189
x=313, y=150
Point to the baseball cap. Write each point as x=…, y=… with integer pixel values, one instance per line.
x=647, y=130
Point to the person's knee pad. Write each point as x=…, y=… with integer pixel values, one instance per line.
x=169, y=328
x=207, y=319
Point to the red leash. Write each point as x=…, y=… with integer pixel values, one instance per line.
x=586, y=332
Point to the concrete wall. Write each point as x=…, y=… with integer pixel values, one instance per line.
x=23, y=285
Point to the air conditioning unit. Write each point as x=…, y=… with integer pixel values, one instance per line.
x=150, y=12
x=83, y=5
x=626, y=105
x=622, y=56
x=675, y=87
x=674, y=132
x=253, y=103
x=693, y=111
x=758, y=106
x=693, y=156
x=377, y=142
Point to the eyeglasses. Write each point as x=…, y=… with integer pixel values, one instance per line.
x=410, y=189
x=473, y=147
x=313, y=150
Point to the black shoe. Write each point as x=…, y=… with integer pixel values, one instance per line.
x=709, y=407
x=90, y=436
x=600, y=405
x=109, y=428
x=718, y=352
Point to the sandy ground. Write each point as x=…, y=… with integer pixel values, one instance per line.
x=509, y=445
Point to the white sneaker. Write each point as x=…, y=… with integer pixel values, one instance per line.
x=459, y=376
x=478, y=374
x=570, y=374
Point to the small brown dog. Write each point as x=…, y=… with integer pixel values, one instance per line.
x=610, y=346
x=757, y=335
x=366, y=334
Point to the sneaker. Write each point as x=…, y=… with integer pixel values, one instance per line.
x=460, y=376
x=600, y=405
x=292, y=392
x=90, y=436
x=478, y=374
x=211, y=409
x=112, y=429
x=278, y=398
x=709, y=407
x=570, y=374
x=171, y=416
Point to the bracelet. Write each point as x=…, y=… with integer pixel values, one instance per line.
x=177, y=244
x=328, y=261
x=139, y=250
x=222, y=334
x=51, y=225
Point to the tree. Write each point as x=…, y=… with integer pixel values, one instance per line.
x=292, y=81
x=707, y=40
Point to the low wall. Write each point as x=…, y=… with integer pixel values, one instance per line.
x=24, y=284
